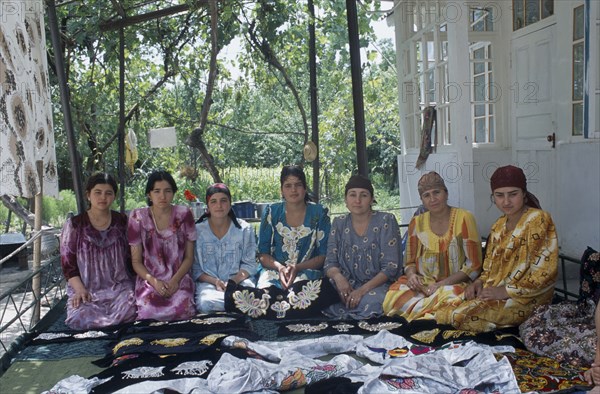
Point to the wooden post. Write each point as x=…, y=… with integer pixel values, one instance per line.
x=37, y=246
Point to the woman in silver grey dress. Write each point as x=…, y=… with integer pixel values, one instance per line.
x=363, y=254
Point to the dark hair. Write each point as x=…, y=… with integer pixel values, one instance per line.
x=101, y=178
x=159, y=175
x=214, y=189
x=298, y=172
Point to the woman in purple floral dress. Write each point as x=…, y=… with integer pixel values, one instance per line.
x=95, y=257
x=162, y=250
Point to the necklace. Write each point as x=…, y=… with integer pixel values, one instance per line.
x=100, y=222
x=153, y=215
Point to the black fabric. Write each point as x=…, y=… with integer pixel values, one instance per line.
x=589, y=276
x=276, y=303
x=180, y=337
x=422, y=332
x=168, y=367
x=335, y=385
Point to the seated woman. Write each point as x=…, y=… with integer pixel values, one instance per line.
x=292, y=240
x=565, y=331
x=162, y=250
x=225, y=250
x=520, y=266
x=443, y=254
x=363, y=254
x=95, y=261
x=292, y=244
x=592, y=375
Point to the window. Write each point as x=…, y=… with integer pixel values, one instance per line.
x=482, y=19
x=482, y=93
x=578, y=70
x=527, y=12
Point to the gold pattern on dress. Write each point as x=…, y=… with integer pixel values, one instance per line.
x=450, y=334
x=502, y=336
x=127, y=342
x=170, y=342
x=210, y=339
x=426, y=336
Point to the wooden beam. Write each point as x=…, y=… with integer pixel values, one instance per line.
x=132, y=20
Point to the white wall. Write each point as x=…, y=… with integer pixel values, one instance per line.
x=578, y=217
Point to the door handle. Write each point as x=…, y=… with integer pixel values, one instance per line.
x=552, y=138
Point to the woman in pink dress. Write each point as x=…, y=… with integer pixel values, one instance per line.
x=95, y=258
x=162, y=238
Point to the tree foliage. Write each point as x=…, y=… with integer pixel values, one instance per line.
x=258, y=107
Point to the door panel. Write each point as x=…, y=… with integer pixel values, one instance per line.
x=534, y=112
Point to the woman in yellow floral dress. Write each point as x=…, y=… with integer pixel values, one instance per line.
x=443, y=255
x=520, y=266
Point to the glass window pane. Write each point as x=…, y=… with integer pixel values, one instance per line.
x=578, y=71
x=479, y=26
x=578, y=23
x=480, y=130
x=448, y=124
x=578, y=119
x=444, y=51
x=489, y=20
x=479, y=53
x=430, y=54
x=518, y=14
x=479, y=88
x=419, y=55
x=532, y=11
x=491, y=127
x=479, y=67
x=430, y=87
x=479, y=109
x=547, y=8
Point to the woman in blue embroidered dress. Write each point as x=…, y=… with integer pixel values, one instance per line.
x=363, y=254
x=292, y=241
x=225, y=250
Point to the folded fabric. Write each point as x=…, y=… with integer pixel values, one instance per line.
x=469, y=367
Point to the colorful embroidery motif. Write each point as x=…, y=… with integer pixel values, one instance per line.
x=451, y=334
x=396, y=383
x=280, y=307
x=247, y=303
x=170, y=342
x=213, y=320
x=426, y=336
x=343, y=327
x=307, y=327
x=321, y=372
x=127, y=342
x=379, y=326
x=293, y=381
x=310, y=292
x=196, y=368
x=90, y=334
x=212, y=338
x=143, y=373
x=51, y=335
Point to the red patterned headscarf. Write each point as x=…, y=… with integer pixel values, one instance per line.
x=511, y=176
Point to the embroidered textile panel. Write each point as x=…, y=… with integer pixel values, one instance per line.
x=26, y=128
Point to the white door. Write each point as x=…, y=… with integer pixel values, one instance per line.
x=534, y=111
